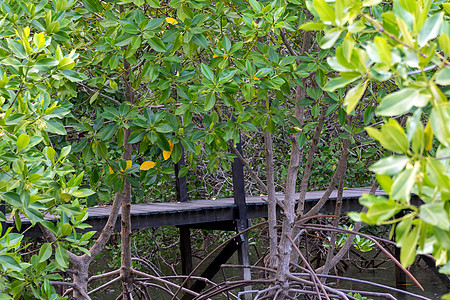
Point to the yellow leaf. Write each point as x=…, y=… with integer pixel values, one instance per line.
x=166, y=154
x=146, y=165
x=129, y=164
x=428, y=132
x=171, y=21
x=111, y=171
x=215, y=55
x=66, y=197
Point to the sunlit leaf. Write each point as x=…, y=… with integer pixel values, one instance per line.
x=147, y=165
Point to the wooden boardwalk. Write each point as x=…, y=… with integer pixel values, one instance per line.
x=214, y=214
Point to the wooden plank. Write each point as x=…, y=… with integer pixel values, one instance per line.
x=148, y=215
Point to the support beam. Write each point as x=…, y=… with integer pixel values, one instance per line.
x=400, y=276
x=186, y=250
x=242, y=221
x=214, y=266
x=185, y=232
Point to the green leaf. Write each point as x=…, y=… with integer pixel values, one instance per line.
x=325, y=11
x=45, y=64
x=368, y=115
x=402, y=229
x=157, y=44
x=66, y=63
x=61, y=5
x=305, y=102
x=379, y=212
x=255, y=5
x=210, y=101
x=13, y=199
x=301, y=139
x=55, y=126
x=435, y=215
x=392, y=137
x=408, y=250
x=50, y=153
x=164, y=128
x=61, y=257
x=22, y=141
x=14, y=119
x=9, y=263
x=92, y=5
x=226, y=76
x=94, y=97
x=389, y=166
x=430, y=29
x=443, y=76
x=17, y=48
x=207, y=72
x=354, y=95
x=313, y=26
x=385, y=182
x=400, y=102
x=337, y=83
x=444, y=43
x=440, y=123
x=330, y=37
x=383, y=50
x=136, y=137
x=83, y=193
x=33, y=214
x=153, y=3
x=437, y=174
x=402, y=187
x=64, y=152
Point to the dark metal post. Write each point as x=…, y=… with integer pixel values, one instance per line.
x=242, y=221
x=185, y=232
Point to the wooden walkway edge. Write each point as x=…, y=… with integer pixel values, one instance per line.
x=196, y=213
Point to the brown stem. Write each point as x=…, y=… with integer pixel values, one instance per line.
x=373, y=239
x=308, y=266
x=338, y=208
x=340, y=168
x=309, y=161
x=271, y=200
x=107, y=231
x=349, y=242
x=100, y=276
x=125, y=241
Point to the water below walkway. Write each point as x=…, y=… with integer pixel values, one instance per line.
x=433, y=287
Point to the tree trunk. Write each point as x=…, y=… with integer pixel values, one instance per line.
x=284, y=249
x=80, y=277
x=125, y=233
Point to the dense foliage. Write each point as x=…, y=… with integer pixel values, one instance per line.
x=410, y=49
